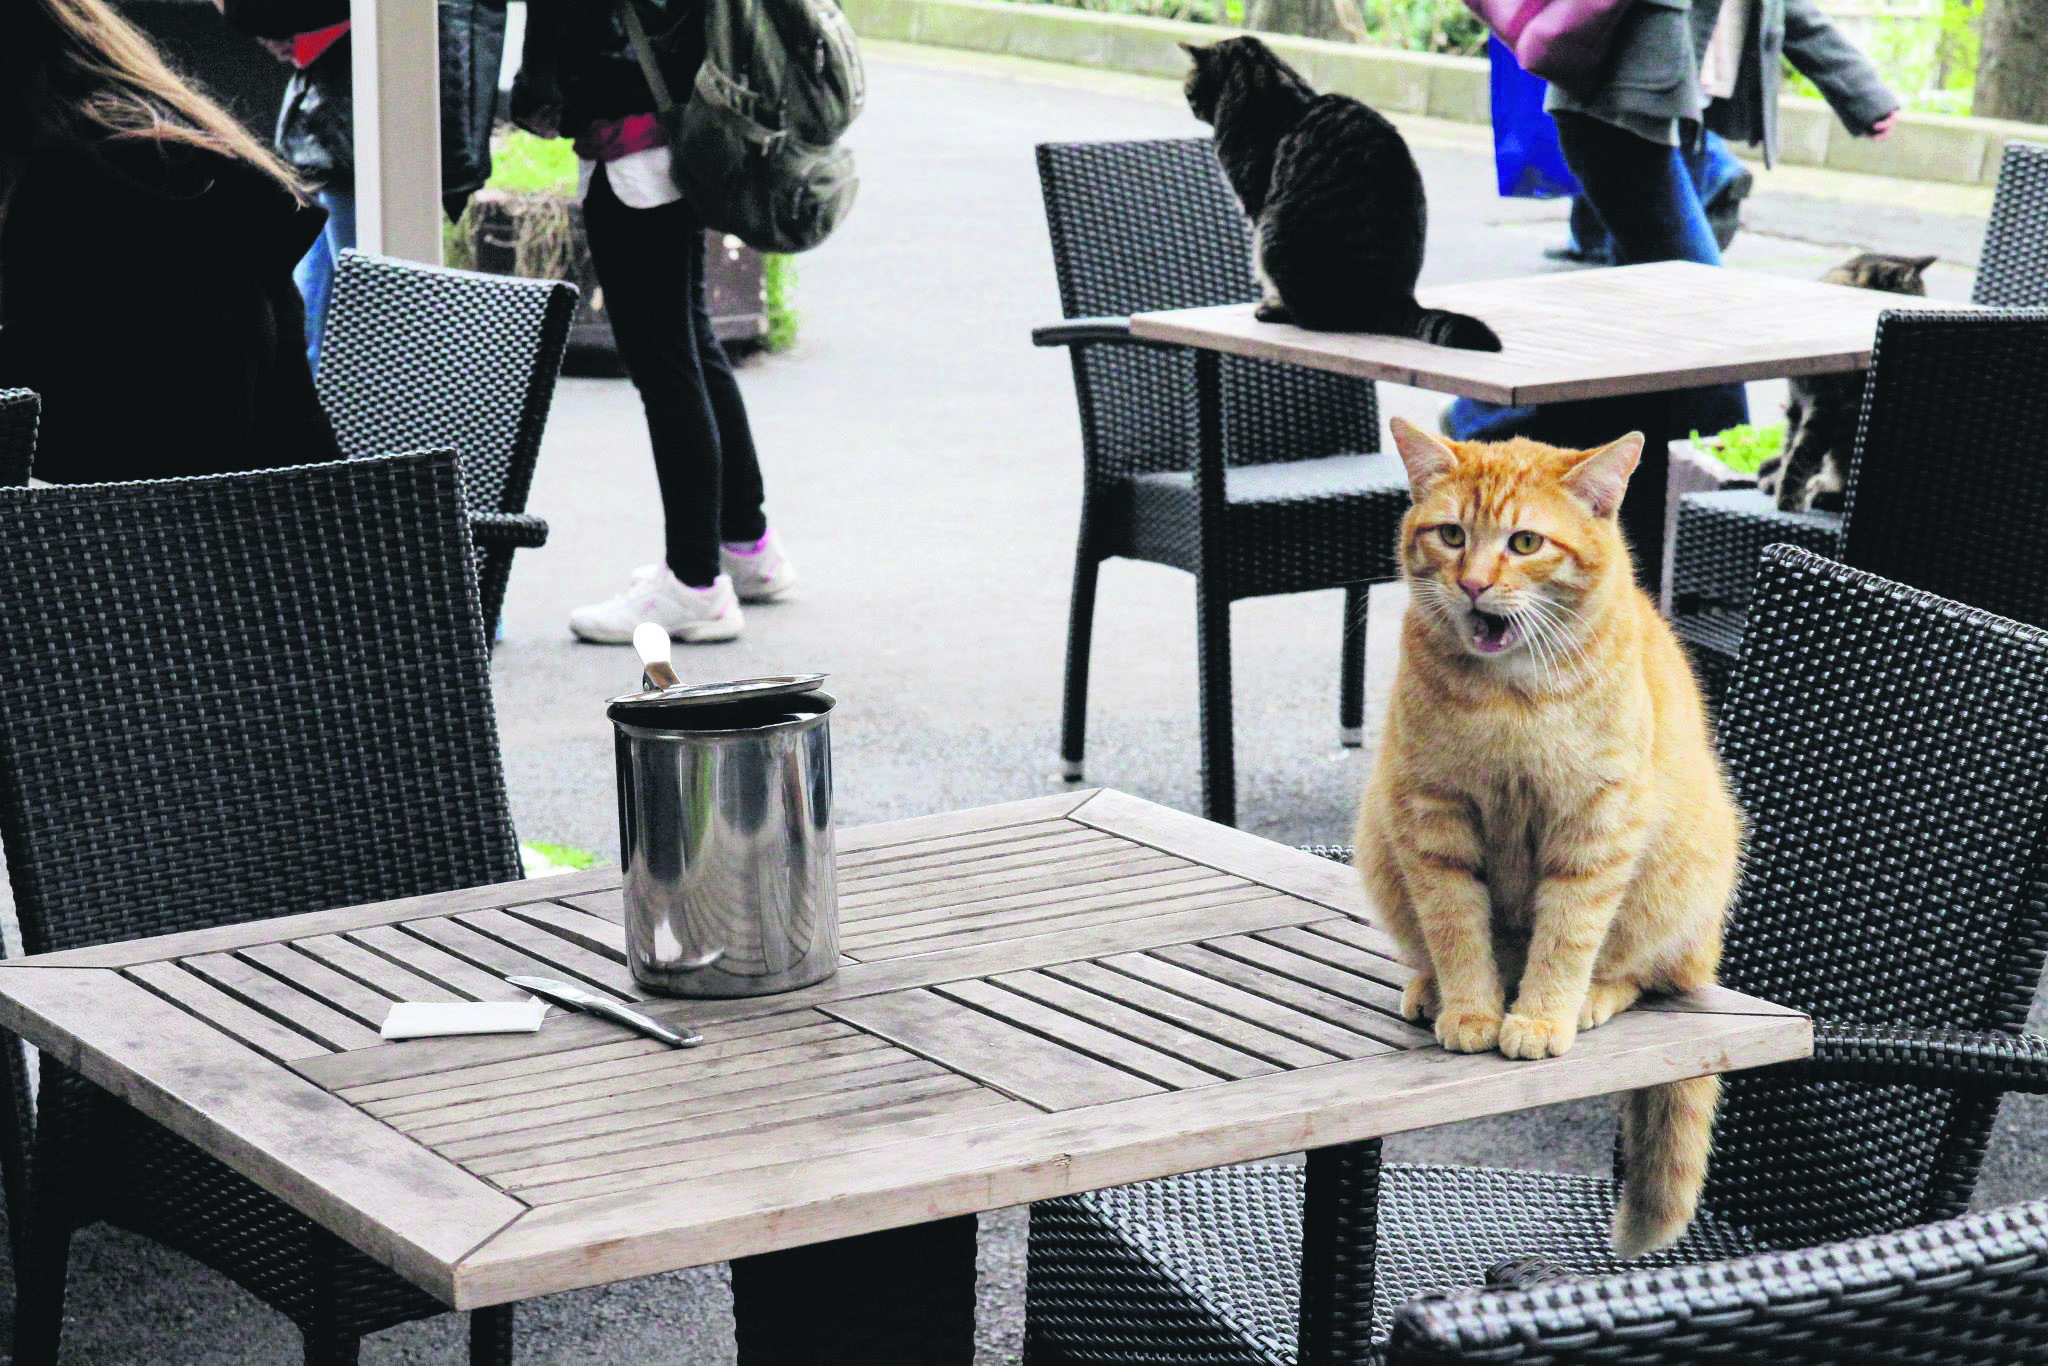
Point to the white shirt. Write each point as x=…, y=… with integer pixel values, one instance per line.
x=642, y=180
x=1724, y=50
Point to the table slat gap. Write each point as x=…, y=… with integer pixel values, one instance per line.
x=902, y=1123
x=408, y=951
x=609, y=1044
x=302, y=972
x=594, y=1081
x=1137, y=1024
x=1144, y=1060
x=1388, y=972
x=1197, y=1017
x=1043, y=915
x=1309, y=1000
x=995, y=868
x=168, y=982
x=972, y=862
x=734, y=1122
x=504, y=1133
x=566, y=957
x=492, y=956
x=373, y=970
x=1352, y=986
x=590, y=932
x=974, y=839
x=1080, y=916
x=1044, y=876
x=1306, y=1028
x=1125, y=873
x=283, y=1003
x=660, y=1126
x=880, y=834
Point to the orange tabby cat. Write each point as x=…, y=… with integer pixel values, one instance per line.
x=1548, y=832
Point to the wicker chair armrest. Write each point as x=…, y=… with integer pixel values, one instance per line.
x=507, y=530
x=1961, y=1276
x=1926, y=1057
x=1336, y=853
x=1088, y=331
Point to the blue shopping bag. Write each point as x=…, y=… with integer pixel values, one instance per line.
x=1526, y=160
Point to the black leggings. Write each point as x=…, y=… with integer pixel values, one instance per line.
x=650, y=264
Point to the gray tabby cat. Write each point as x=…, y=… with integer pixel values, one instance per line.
x=1812, y=472
x=1334, y=197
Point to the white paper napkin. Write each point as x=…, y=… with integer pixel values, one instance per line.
x=431, y=1019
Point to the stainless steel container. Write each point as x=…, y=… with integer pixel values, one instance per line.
x=725, y=829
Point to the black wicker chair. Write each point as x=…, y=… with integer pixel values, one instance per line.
x=317, y=732
x=20, y=413
x=1254, y=477
x=1891, y=749
x=1946, y=489
x=1964, y=1292
x=1720, y=535
x=422, y=358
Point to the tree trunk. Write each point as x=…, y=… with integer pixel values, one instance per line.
x=2012, y=76
x=1308, y=18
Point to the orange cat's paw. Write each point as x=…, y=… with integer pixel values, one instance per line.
x=1525, y=1036
x=1419, y=999
x=1604, y=1001
x=1464, y=1030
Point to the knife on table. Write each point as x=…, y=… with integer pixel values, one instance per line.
x=576, y=998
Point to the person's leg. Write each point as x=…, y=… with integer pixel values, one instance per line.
x=650, y=276
x=741, y=517
x=1644, y=193
x=314, y=274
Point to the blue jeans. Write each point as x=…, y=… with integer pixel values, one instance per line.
x=1711, y=165
x=314, y=275
x=1646, y=198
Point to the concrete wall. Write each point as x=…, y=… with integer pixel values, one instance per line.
x=1925, y=147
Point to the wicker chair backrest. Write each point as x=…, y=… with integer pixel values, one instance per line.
x=1947, y=488
x=424, y=358
x=243, y=696
x=2012, y=266
x=1891, y=750
x=20, y=413
x=1971, y=1291
x=1147, y=225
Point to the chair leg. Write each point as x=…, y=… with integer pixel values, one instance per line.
x=1212, y=640
x=1339, y=1245
x=490, y=1336
x=39, y=1289
x=1080, y=633
x=331, y=1349
x=1351, y=672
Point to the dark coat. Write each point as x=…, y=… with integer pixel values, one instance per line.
x=576, y=53
x=148, y=298
x=316, y=125
x=1653, y=70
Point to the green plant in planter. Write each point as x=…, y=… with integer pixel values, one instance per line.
x=541, y=172
x=1744, y=448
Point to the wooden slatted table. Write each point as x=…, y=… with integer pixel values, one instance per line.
x=1039, y=998
x=1568, y=336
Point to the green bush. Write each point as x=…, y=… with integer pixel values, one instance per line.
x=1744, y=448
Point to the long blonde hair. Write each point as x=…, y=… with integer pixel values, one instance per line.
x=75, y=75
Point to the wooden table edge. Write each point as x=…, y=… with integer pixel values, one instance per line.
x=164, y=1080
x=1066, y=1152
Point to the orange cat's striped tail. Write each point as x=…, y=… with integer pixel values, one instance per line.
x=1666, y=1133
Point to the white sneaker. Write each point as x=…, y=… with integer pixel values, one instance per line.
x=761, y=571
x=692, y=615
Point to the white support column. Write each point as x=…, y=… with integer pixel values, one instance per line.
x=398, y=127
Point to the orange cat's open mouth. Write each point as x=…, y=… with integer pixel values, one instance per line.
x=1492, y=634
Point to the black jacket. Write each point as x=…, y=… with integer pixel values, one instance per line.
x=148, y=298
x=576, y=53
x=316, y=125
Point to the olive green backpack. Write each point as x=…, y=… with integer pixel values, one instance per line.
x=755, y=143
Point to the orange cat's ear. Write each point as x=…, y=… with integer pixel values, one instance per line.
x=1601, y=477
x=1426, y=456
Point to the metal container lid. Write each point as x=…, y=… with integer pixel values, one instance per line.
x=738, y=691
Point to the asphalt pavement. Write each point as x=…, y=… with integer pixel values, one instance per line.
x=922, y=464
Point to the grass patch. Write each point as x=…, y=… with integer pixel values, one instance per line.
x=1744, y=448
x=543, y=859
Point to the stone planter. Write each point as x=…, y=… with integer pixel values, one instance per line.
x=1693, y=470
x=504, y=226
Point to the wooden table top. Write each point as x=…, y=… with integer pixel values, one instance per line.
x=1584, y=333
x=1039, y=998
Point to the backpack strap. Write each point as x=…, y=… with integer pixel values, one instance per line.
x=644, y=51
